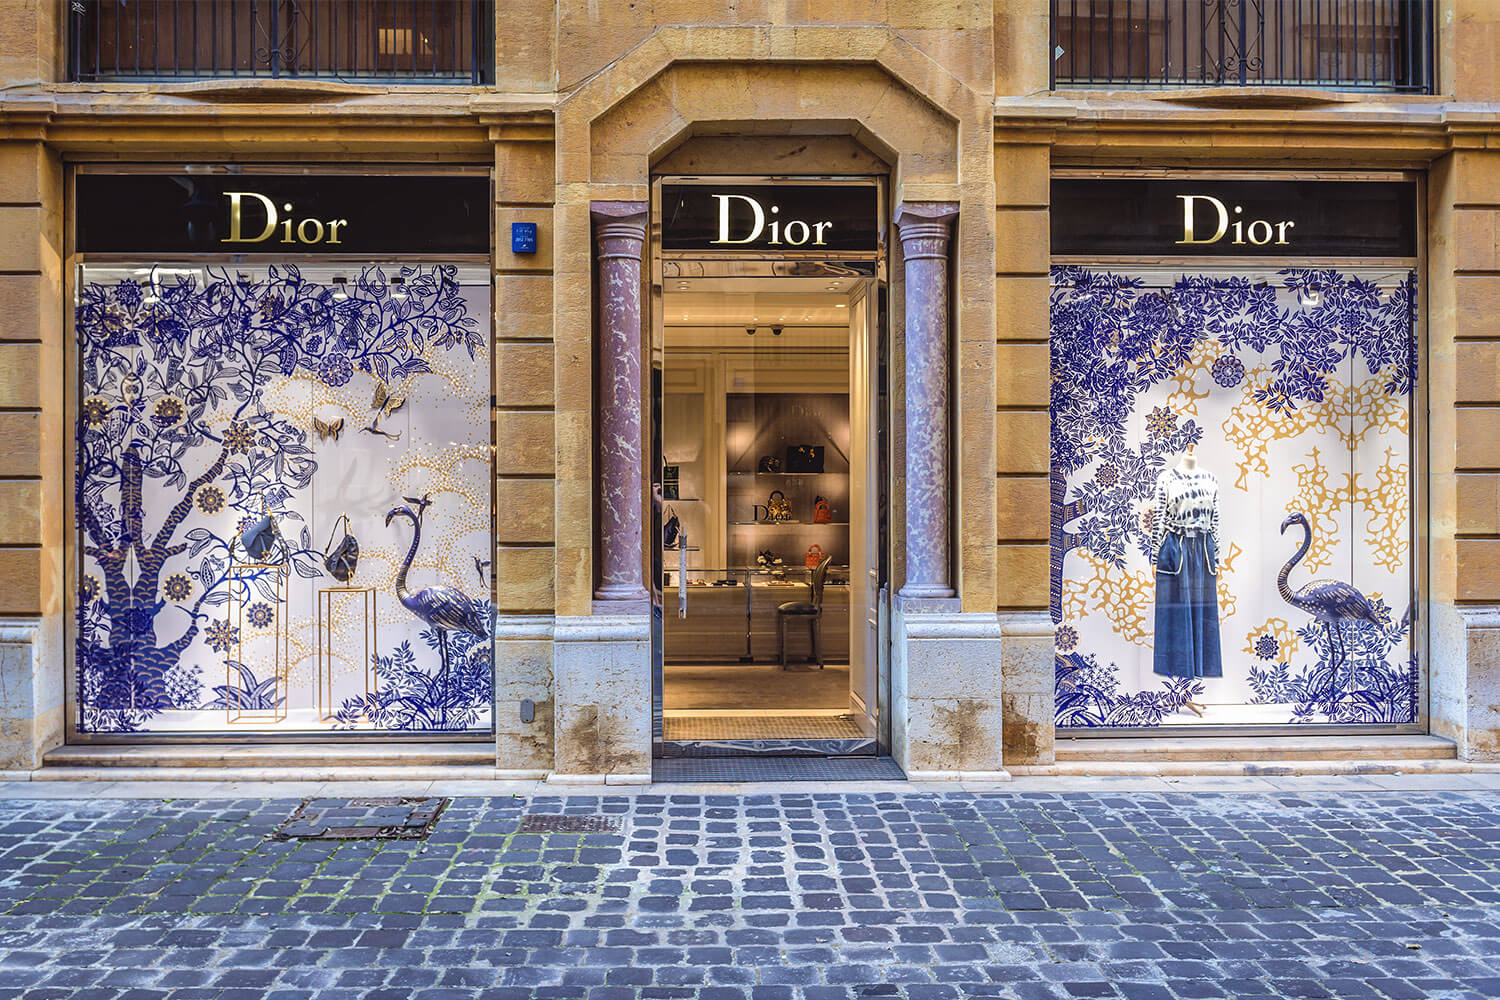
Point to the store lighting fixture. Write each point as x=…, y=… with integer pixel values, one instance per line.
x=340, y=293
x=398, y=288
x=840, y=305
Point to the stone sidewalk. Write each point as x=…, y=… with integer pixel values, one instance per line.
x=1318, y=889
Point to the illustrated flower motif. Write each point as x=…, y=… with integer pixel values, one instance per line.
x=270, y=308
x=260, y=614
x=335, y=370
x=210, y=499
x=1228, y=371
x=128, y=293
x=88, y=589
x=1148, y=522
x=168, y=412
x=1161, y=422
x=239, y=438
x=1266, y=647
x=1065, y=638
x=221, y=636
x=244, y=525
x=1107, y=476
x=111, y=322
x=95, y=411
x=177, y=587
x=184, y=688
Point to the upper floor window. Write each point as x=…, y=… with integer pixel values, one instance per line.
x=381, y=41
x=1381, y=45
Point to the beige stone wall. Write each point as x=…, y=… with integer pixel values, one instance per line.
x=1022, y=369
x=33, y=452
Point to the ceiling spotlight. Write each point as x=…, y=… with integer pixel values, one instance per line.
x=775, y=331
x=840, y=305
x=749, y=331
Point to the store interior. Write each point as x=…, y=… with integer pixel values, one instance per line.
x=769, y=538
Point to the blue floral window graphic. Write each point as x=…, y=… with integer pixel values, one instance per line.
x=215, y=402
x=1231, y=496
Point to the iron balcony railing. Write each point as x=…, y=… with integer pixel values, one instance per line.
x=384, y=41
x=1384, y=45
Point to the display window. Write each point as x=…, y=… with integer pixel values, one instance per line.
x=1232, y=495
x=283, y=498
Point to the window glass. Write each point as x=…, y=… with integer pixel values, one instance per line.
x=258, y=450
x=1231, y=489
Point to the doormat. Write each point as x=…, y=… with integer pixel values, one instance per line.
x=776, y=769
x=362, y=819
x=549, y=823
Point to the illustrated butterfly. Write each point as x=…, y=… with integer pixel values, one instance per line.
x=385, y=404
x=331, y=429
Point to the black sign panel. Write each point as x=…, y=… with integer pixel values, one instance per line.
x=1192, y=217
x=283, y=214
x=770, y=218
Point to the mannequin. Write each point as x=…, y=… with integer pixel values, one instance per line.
x=1185, y=553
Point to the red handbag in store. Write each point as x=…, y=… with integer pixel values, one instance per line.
x=822, y=513
x=814, y=555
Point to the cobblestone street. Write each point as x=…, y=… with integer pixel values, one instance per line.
x=799, y=894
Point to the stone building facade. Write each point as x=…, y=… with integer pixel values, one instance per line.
x=953, y=107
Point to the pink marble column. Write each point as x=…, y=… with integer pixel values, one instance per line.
x=620, y=235
x=926, y=232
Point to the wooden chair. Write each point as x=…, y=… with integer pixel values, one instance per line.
x=811, y=610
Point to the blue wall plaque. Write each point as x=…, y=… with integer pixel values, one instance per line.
x=523, y=237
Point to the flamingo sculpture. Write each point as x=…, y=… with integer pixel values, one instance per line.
x=444, y=608
x=1331, y=602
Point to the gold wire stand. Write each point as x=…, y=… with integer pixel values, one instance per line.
x=327, y=707
x=281, y=645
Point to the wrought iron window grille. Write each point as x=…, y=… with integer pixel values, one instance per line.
x=355, y=41
x=1374, y=45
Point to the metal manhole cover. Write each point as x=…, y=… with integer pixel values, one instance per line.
x=547, y=823
x=362, y=819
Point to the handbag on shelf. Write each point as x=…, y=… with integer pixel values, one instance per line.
x=769, y=463
x=260, y=538
x=814, y=555
x=804, y=458
x=671, y=529
x=671, y=479
x=822, y=513
x=779, y=507
x=341, y=560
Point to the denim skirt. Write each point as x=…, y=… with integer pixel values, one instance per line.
x=1187, y=607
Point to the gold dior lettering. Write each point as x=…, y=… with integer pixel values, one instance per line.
x=794, y=233
x=1258, y=232
x=306, y=231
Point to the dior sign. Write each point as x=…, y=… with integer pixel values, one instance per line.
x=233, y=211
x=309, y=230
x=778, y=218
x=737, y=229
x=1202, y=216
x=1258, y=234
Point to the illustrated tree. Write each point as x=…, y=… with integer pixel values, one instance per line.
x=173, y=416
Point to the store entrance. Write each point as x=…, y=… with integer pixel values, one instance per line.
x=770, y=460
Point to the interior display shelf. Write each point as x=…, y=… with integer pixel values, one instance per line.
x=681, y=499
x=791, y=524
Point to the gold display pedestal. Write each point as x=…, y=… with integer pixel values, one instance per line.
x=327, y=706
x=242, y=581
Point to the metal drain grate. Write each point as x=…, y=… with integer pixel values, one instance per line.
x=549, y=823
x=362, y=819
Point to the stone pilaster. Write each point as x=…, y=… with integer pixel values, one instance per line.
x=620, y=237
x=926, y=230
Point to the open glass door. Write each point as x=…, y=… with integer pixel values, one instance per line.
x=769, y=540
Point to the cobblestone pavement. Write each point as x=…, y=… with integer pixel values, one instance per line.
x=788, y=896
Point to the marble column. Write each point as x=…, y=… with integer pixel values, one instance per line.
x=620, y=236
x=926, y=232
